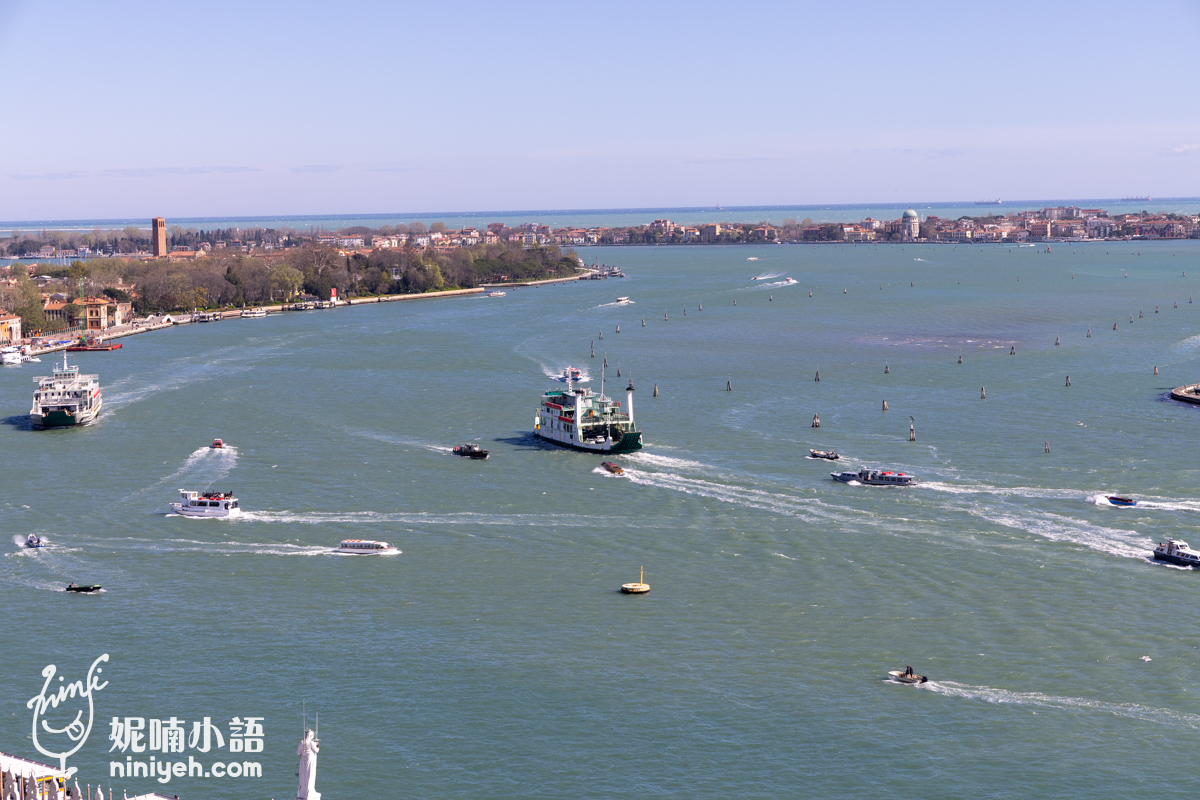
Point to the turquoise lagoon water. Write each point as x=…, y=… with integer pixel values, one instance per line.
x=494, y=657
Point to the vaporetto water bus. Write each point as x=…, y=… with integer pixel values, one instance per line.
x=206, y=504
x=579, y=418
x=66, y=398
x=365, y=547
x=871, y=477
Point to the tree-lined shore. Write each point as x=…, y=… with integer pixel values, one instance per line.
x=224, y=279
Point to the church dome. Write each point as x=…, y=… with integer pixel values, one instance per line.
x=910, y=214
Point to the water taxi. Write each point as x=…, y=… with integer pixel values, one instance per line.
x=871, y=477
x=253, y=313
x=218, y=444
x=829, y=455
x=623, y=301
x=470, y=451
x=206, y=504
x=580, y=419
x=570, y=374
x=33, y=540
x=66, y=398
x=1120, y=501
x=1177, y=552
x=614, y=468
x=365, y=547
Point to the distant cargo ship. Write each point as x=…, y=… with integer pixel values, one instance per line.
x=995, y=202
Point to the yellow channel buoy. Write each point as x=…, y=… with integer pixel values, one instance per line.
x=636, y=588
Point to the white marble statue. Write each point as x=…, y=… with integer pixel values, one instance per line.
x=308, y=749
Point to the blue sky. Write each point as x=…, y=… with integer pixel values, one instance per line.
x=143, y=108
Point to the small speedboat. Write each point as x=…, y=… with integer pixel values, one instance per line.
x=85, y=589
x=217, y=444
x=1177, y=552
x=623, y=301
x=906, y=676
x=571, y=374
x=33, y=540
x=495, y=294
x=365, y=547
x=470, y=451
x=759, y=278
x=615, y=469
x=1120, y=501
x=752, y=258
x=830, y=455
x=790, y=280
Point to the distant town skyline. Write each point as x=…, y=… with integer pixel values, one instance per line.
x=129, y=110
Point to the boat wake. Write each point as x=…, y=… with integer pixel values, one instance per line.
x=420, y=518
x=1057, y=528
x=768, y=276
x=727, y=493
x=619, y=303
x=1000, y=491
x=666, y=462
x=203, y=467
x=1159, y=716
x=228, y=548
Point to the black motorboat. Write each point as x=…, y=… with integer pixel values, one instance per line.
x=470, y=451
x=829, y=455
x=87, y=589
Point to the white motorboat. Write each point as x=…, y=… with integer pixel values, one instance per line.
x=752, y=258
x=253, y=313
x=871, y=477
x=33, y=540
x=623, y=301
x=496, y=294
x=10, y=356
x=789, y=281
x=571, y=374
x=1177, y=552
x=206, y=504
x=365, y=547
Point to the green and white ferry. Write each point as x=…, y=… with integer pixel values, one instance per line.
x=583, y=420
x=66, y=398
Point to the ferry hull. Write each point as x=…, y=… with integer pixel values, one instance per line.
x=62, y=419
x=629, y=442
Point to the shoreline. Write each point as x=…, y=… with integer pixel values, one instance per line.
x=134, y=329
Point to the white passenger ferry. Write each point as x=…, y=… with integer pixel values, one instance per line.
x=206, y=504
x=66, y=398
x=253, y=313
x=583, y=420
x=365, y=547
x=871, y=477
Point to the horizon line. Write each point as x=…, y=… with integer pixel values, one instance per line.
x=43, y=223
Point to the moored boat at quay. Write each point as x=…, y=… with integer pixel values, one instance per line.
x=206, y=504
x=583, y=420
x=1177, y=552
x=871, y=477
x=66, y=398
x=253, y=313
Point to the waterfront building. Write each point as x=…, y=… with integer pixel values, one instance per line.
x=910, y=226
x=10, y=328
x=158, y=237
